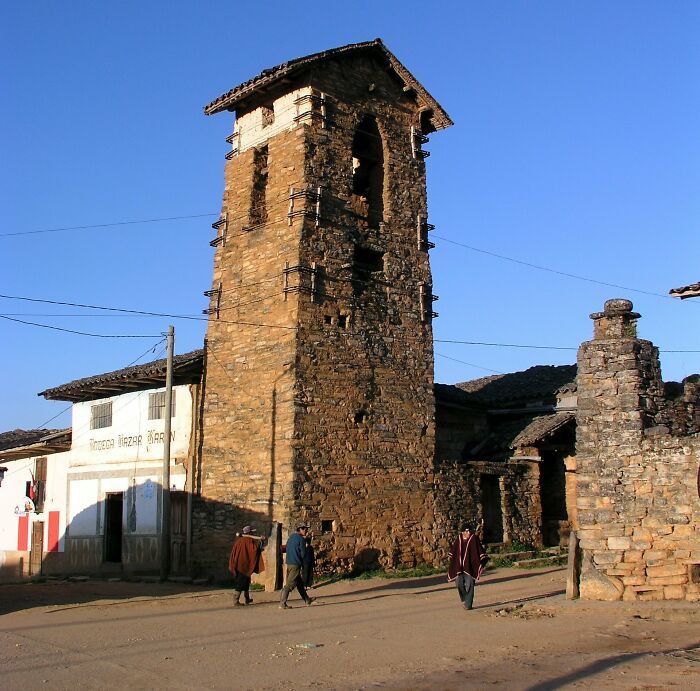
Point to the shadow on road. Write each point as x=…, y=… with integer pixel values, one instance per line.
x=605, y=664
x=15, y=597
x=21, y=596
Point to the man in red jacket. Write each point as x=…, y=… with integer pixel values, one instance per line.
x=245, y=560
x=467, y=561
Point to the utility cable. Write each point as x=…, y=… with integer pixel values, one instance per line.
x=553, y=271
x=151, y=349
x=471, y=364
x=104, y=225
x=72, y=331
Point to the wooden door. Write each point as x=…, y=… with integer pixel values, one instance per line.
x=37, y=553
x=178, y=533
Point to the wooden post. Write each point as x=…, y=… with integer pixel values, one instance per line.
x=165, y=483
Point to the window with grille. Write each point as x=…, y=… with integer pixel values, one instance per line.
x=101, y=415
x=156, y=405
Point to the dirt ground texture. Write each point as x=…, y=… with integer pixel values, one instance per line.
x=360, y=634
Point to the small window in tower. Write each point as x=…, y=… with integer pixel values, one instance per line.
x=368, y=260
x=343, y=321
x=366, y=263
x=368, y=174
x=258, y=195
x=326, y=526
x=327, y=319
x=268, y=115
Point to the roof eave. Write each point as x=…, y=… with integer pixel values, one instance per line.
x=233, y=97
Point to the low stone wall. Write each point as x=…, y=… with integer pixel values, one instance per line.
x=458, y=497
x=646, y=536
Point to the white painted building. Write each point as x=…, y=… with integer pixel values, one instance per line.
x=32, y=500
x=105, y=506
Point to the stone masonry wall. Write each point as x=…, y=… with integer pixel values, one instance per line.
x=638, y=506
x=364, y=367
x=458, y=497
x=318, y=395
x=246, y=469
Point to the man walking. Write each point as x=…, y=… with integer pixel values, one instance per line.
x=296, y=550
x=467, y=561
x=245, y=560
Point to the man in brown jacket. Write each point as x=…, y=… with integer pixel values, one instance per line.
x=245, y=560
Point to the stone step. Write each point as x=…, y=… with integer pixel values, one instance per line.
x=541, y=561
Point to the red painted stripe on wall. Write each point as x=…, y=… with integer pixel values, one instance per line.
x=23, y=534
x=53, y=531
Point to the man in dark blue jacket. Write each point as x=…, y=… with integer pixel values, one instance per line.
x=296, y=549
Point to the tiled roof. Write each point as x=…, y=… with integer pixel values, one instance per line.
x=541, y=428
x=540, y=382
x=186, y=368
x=691, y=291
x=23, y=437
x=449, y=394
x=36, y=442
x=230, y=99
x=523, y=431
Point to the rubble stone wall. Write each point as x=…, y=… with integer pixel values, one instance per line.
x=245, y=469
x=318, y=401
x=458, y=497
x=638, y=505
x=364, y=434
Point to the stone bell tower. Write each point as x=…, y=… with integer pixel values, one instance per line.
x=318, y=401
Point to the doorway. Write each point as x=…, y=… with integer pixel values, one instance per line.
x=492, y=508
x=37, y=553
x=114, y=511
x=178, y=533
x=553, y=498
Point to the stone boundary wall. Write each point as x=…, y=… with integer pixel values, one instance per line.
x=638, y=504
x=458, y=498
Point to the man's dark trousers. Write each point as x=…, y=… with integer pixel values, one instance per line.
x=465, y=586
x=294, y=580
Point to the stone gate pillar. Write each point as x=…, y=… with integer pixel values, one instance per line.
x=619, y=382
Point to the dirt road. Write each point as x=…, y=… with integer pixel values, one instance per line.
x=390, y=634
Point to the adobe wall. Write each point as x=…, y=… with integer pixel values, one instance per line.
x=637, y=463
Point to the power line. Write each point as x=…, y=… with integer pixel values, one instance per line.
x=151, y=349
x=284, y=202
x=104, y=225
x=72, y=331
x=471, y=364
x=141, y=312
x=503, y=345
x=537, y=347
x=546, y=268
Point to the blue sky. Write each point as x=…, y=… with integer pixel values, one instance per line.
x=576, y=148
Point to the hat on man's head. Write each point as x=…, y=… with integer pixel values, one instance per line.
x=303, y=525
x=248, y=530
